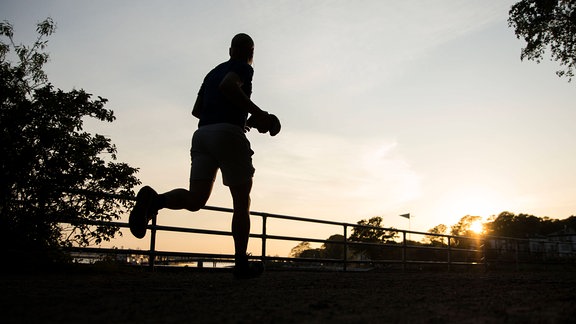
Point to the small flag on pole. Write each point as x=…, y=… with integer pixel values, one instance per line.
x=405, y=215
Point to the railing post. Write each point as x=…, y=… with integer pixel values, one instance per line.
x=264, y=219
x=404, y=251
x=345, y=248
x=517, y=255
x=449, y=253
x=485, y=253
x=152, y=252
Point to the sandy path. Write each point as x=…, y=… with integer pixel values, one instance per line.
x=289, y=297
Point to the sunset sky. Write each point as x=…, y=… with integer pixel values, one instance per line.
x=387, y=107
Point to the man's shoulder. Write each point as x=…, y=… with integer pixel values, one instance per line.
x=233, y=65
x=240, y=67
x=244, y=70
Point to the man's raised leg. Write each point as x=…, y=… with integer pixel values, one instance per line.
x=192, y=199
x=148, y=202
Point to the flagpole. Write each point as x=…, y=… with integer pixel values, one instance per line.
x=409, y=224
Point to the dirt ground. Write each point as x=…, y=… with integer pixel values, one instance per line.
x=288, y=297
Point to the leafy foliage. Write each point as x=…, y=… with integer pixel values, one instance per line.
x=524, y=226
x=434, y=239
x=380, y=241
x=296, y=252
x=371, y=231
x=547, y=24
x=49, y=164
x=368, y=231
x=464, y=226
x=328, y=250
x=332, y=249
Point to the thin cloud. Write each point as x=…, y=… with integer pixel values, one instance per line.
x=350, y=175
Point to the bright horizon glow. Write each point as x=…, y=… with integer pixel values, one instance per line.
x=472, y=201
x=387, y=107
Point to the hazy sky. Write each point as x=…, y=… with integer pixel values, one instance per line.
x=387, y=107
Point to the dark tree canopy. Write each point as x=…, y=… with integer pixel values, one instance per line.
x=547, y=25
x=464, y=226
x=367, y=231
x=439, y=229
x=332, y=249
x=297, y=251
x=370, y=230
x=524, y=225
x=48, y=162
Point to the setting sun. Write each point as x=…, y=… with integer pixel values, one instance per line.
x=477, y=227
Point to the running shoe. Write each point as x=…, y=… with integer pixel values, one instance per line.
x=244, y=269
x=143, y=211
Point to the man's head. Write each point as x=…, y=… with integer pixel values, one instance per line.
x=242, y=48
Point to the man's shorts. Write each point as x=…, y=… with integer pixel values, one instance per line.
x=225, y=147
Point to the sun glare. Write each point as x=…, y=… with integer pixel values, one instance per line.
x=473, y=201
x=477, y=227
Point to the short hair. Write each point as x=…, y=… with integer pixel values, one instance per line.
x=242, y=41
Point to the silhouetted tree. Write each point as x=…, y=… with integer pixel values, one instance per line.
x=328, y=250
x=437, y=240
x=523, y=225
x=463, y=228
x=371, y=231
x=48, y=163
x=334, y=250
x=368, y=231
x=312, y=254
x=297, y=251
x=570, y=223
x=547, y=25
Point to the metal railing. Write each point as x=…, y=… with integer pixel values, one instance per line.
x=392, y=252
x=448, y=250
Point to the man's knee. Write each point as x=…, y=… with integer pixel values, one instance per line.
x=197, y=202
x=200, y=191
x=194, y=208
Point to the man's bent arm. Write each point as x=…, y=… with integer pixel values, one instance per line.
x=231, y=87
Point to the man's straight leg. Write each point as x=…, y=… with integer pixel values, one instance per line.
x=241, y=217
x=243, y=269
